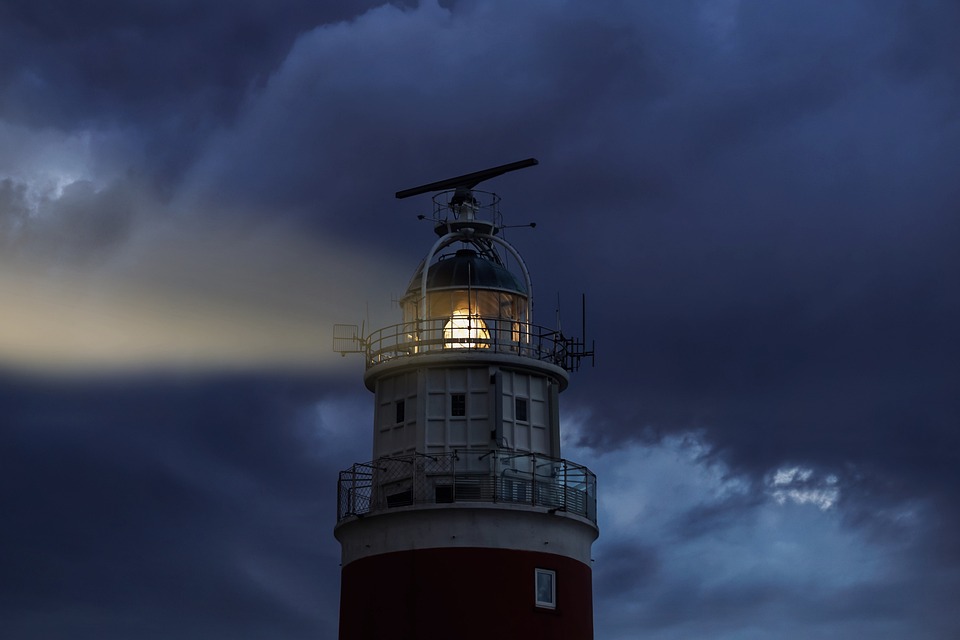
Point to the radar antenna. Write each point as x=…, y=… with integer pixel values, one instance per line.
x=459, y=208
x=465, y=183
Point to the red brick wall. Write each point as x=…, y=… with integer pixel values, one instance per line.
x=463, y=594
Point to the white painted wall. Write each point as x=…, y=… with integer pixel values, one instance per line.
x=490, y=394
x=491, y=526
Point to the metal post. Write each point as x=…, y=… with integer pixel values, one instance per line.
x=494, y=476
x=533, y=481
x=563, y=466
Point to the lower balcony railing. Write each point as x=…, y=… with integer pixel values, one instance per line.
x=467, y=475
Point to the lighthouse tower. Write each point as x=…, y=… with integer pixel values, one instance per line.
x=467, y=523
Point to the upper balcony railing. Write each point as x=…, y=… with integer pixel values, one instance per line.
x=481, y=210
x=475, y=334
x=467, y=475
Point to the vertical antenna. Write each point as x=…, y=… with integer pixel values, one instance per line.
x=583, y=316
x=559, y=328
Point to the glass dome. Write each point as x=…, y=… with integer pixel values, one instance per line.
x=473, y=298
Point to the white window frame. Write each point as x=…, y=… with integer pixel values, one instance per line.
x=552, y=602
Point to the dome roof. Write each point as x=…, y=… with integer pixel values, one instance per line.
x=467, y=269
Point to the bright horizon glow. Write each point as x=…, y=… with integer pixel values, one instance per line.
x=179, y=294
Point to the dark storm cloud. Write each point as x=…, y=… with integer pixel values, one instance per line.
x=356, y=114
x=167, y=71
x=67, y=63
x=626, y=569
x=81, y=224
x=192, y=505
x=13, y=206
x=795, y=291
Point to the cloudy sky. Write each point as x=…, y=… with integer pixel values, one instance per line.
x=759, y=199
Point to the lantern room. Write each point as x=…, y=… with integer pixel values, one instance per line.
x=469, y=295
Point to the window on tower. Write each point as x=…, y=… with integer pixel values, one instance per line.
x=401, y=411
x=521, y=409
x=458, y=404
x=545, y=588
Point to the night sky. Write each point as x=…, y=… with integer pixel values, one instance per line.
x=759, y=199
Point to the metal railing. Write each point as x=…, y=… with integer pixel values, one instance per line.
x=490, y=335
x=467, y=475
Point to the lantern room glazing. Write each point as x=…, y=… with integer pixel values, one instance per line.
x=475, y=298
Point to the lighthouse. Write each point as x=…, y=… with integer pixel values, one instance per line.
x=467, y=523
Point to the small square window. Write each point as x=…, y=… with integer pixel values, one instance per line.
x=458, y=404
x=546, y=588
x=401, y=407
x=521, y=409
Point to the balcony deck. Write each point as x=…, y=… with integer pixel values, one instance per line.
x=467, y=475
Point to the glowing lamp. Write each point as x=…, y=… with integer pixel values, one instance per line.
x=465, y=330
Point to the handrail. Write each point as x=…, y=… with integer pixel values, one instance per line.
x=484, y=334
x=467, y=475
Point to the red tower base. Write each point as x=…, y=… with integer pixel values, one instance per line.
x=463, y=594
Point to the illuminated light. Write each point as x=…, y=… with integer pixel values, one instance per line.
x=465, y=330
